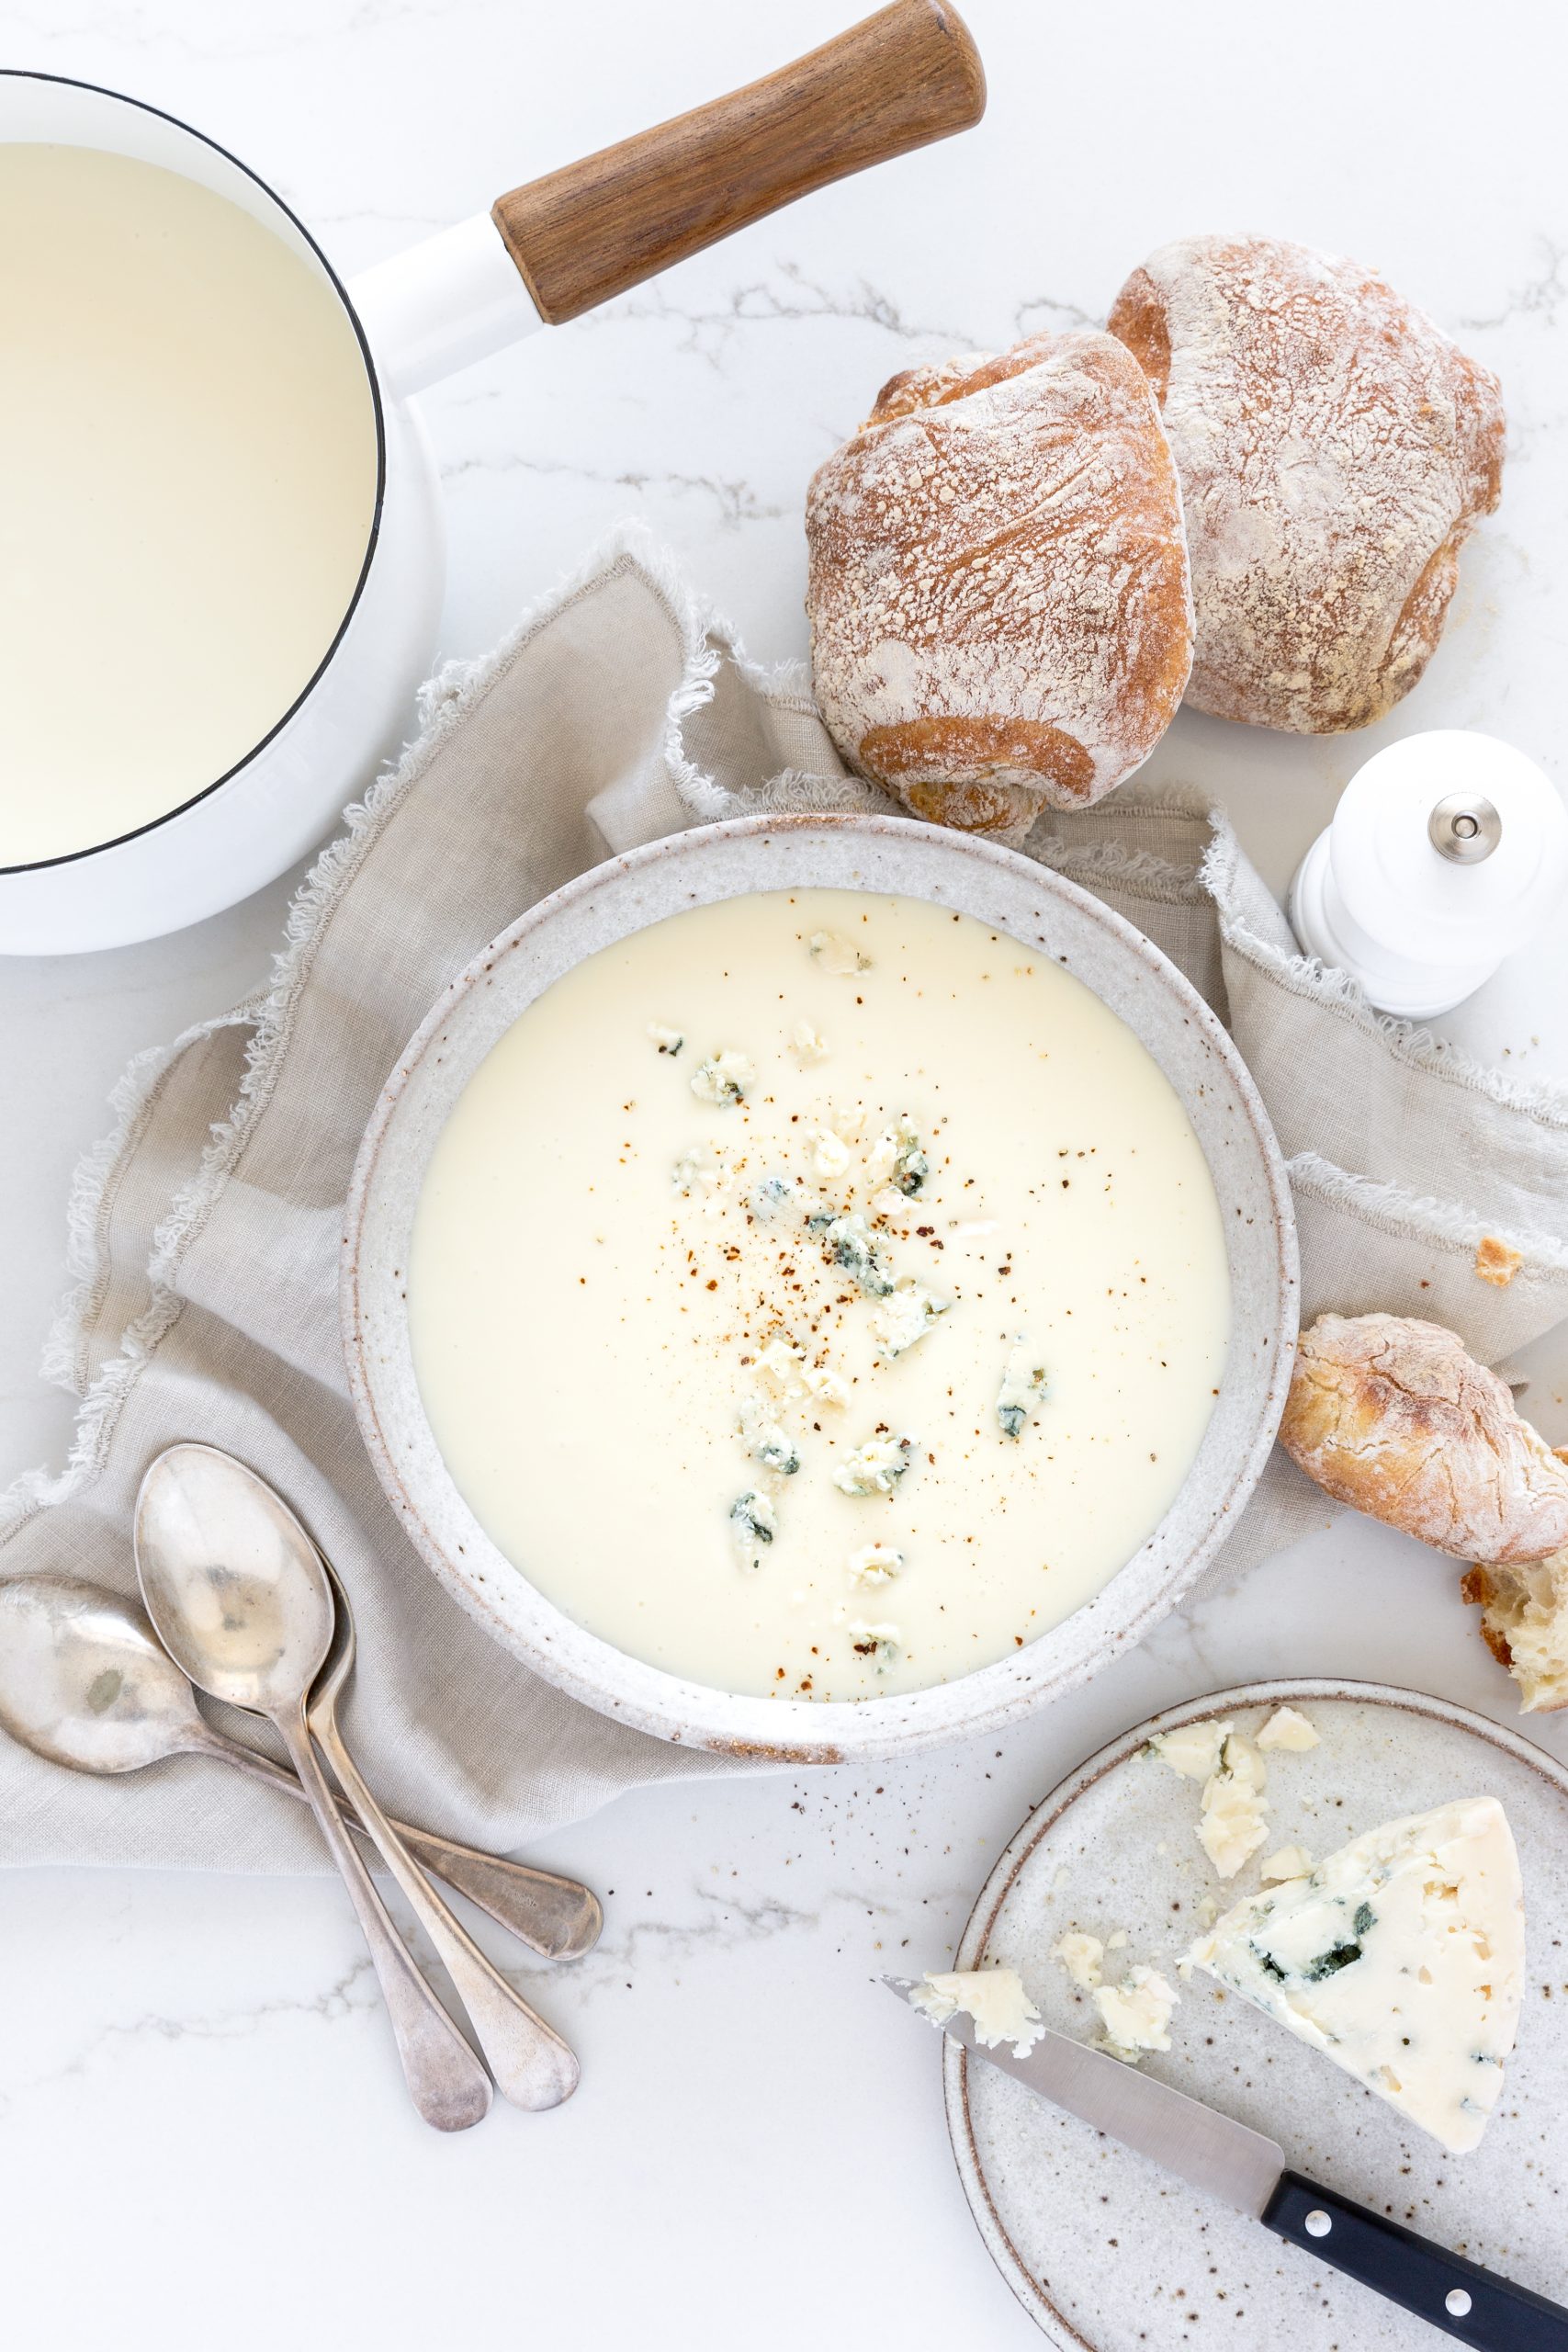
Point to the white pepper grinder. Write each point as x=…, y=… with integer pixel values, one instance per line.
x=1447, y=852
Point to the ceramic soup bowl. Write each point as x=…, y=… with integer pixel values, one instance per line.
x=898, y=858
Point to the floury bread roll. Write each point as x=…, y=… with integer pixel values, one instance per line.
x=1392, y=1416
x=1334, y=448
x=1000, y=616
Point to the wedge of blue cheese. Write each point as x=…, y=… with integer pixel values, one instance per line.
x=1401, y=1957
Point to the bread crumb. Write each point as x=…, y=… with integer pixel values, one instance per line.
x=1497, y=1261
x=1523, y=1623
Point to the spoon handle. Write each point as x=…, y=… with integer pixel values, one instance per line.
x=531, y=2065
x=447, y=2084
x=558, y=1917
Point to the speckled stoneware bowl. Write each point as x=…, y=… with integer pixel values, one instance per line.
x=900, y=858
x=1108, y=2254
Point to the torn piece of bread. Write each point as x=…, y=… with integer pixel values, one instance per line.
x=1497, y=1261
x=1392, y=1416
x=1523, y=1623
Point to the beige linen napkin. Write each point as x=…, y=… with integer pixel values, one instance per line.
x=205, y=1229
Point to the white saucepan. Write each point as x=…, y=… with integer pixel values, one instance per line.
x=546, y=252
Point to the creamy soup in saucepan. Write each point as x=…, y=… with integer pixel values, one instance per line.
x=188, y=483
x=818, y=1294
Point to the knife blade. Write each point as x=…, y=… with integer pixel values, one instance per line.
x=1221, y=2158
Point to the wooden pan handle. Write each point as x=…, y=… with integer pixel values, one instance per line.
x=907, y=75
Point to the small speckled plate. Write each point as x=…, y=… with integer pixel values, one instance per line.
x=1108, y=2254
x=894, y=856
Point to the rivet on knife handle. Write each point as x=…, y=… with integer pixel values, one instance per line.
x=1459, y=2297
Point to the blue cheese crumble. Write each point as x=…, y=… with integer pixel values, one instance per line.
x=766, y=1438
x=1079, y=1955
x=780, y=1370
x=772, y=1196
x=883, y=1645
x=1135, y=2014
x=875, y=1467
x=669, y=1041
x=851, y=1243
x=1193, y=1750
x=830, y=1155
x=697, y=1171
x=1023, y=1385
x=898, y=1158
x=993, y=1997
x=723, y=1079
x=1291, y=1861
x=1234, y=1818
x=753, y=1523
x=835, y=953
x=1287, y=1729
x=1234, y=1822
x=875, y=1564
x=904, y=1315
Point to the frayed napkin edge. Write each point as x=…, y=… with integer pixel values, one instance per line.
x=443, y=701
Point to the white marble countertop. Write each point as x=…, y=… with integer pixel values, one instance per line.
x=195, y=2068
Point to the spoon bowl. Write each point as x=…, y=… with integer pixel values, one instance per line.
x=232, y=1582
x=84, y=1683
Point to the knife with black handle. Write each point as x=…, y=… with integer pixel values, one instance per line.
x=1228, y=2160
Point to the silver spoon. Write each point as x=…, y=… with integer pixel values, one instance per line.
x=85, y=1682
x=531, y=2065
x=254, y=1596
x=220, y=1567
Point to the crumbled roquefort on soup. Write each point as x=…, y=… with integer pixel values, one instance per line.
x=819, y=1294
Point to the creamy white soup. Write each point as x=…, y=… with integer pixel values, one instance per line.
x=818, y=1294
x=188, y=483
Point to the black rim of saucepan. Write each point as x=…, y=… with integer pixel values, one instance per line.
x=99, y=89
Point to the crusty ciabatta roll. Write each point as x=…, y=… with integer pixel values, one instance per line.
x=1393, y=1417
x=1334, y=448
x=999, y=599
x=1523, y=1623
